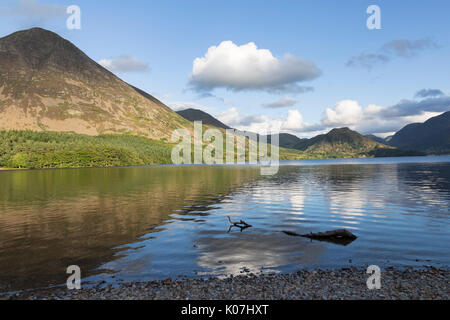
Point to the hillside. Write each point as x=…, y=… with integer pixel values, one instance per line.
x=48, y=84
x=432, y=136
x=199, y=115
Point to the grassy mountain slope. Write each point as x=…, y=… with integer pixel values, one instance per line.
x=48, y=84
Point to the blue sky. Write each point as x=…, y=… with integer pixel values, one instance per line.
x=356, y=77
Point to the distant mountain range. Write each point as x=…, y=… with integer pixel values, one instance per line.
x=339, y=142
x=430, y=137
x=48, y=84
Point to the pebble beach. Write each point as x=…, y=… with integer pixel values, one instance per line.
x=429, y=283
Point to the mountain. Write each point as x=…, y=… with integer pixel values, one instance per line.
x=432, y=136
x=48, y=84
x=341, y=142
x=199, y=115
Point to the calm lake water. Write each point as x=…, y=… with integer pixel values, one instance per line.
x=156, y=222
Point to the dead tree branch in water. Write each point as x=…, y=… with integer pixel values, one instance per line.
x=239, y=224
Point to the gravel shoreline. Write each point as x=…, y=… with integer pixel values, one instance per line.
x=346, y=283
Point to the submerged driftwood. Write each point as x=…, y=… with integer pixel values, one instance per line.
x=339, y=236
x=238, y=224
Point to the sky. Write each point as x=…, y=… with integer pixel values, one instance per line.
x=302, y=67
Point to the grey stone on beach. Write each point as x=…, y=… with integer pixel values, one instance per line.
x=343, y=284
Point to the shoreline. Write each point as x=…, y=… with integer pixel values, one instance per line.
x=405, y=283
x=281, y=163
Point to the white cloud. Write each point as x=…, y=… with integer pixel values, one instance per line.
x=124, y=64
x=246, y=67
x=281, y=103
x=230, y=117
x=292, y=122
x=373, y=109
x=346, y=112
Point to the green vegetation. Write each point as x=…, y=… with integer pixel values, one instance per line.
x=30, y=149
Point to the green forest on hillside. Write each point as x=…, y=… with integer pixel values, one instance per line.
x=30, y=149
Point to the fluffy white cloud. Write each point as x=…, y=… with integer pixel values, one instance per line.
x=346, y=112
x=246, y=67
x=373, y=109
x=294, y=121
x=124, y=64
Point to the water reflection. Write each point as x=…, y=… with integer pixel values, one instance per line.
x=151, y=223
x=50, y=219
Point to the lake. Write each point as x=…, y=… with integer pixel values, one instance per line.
x=143, y=223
